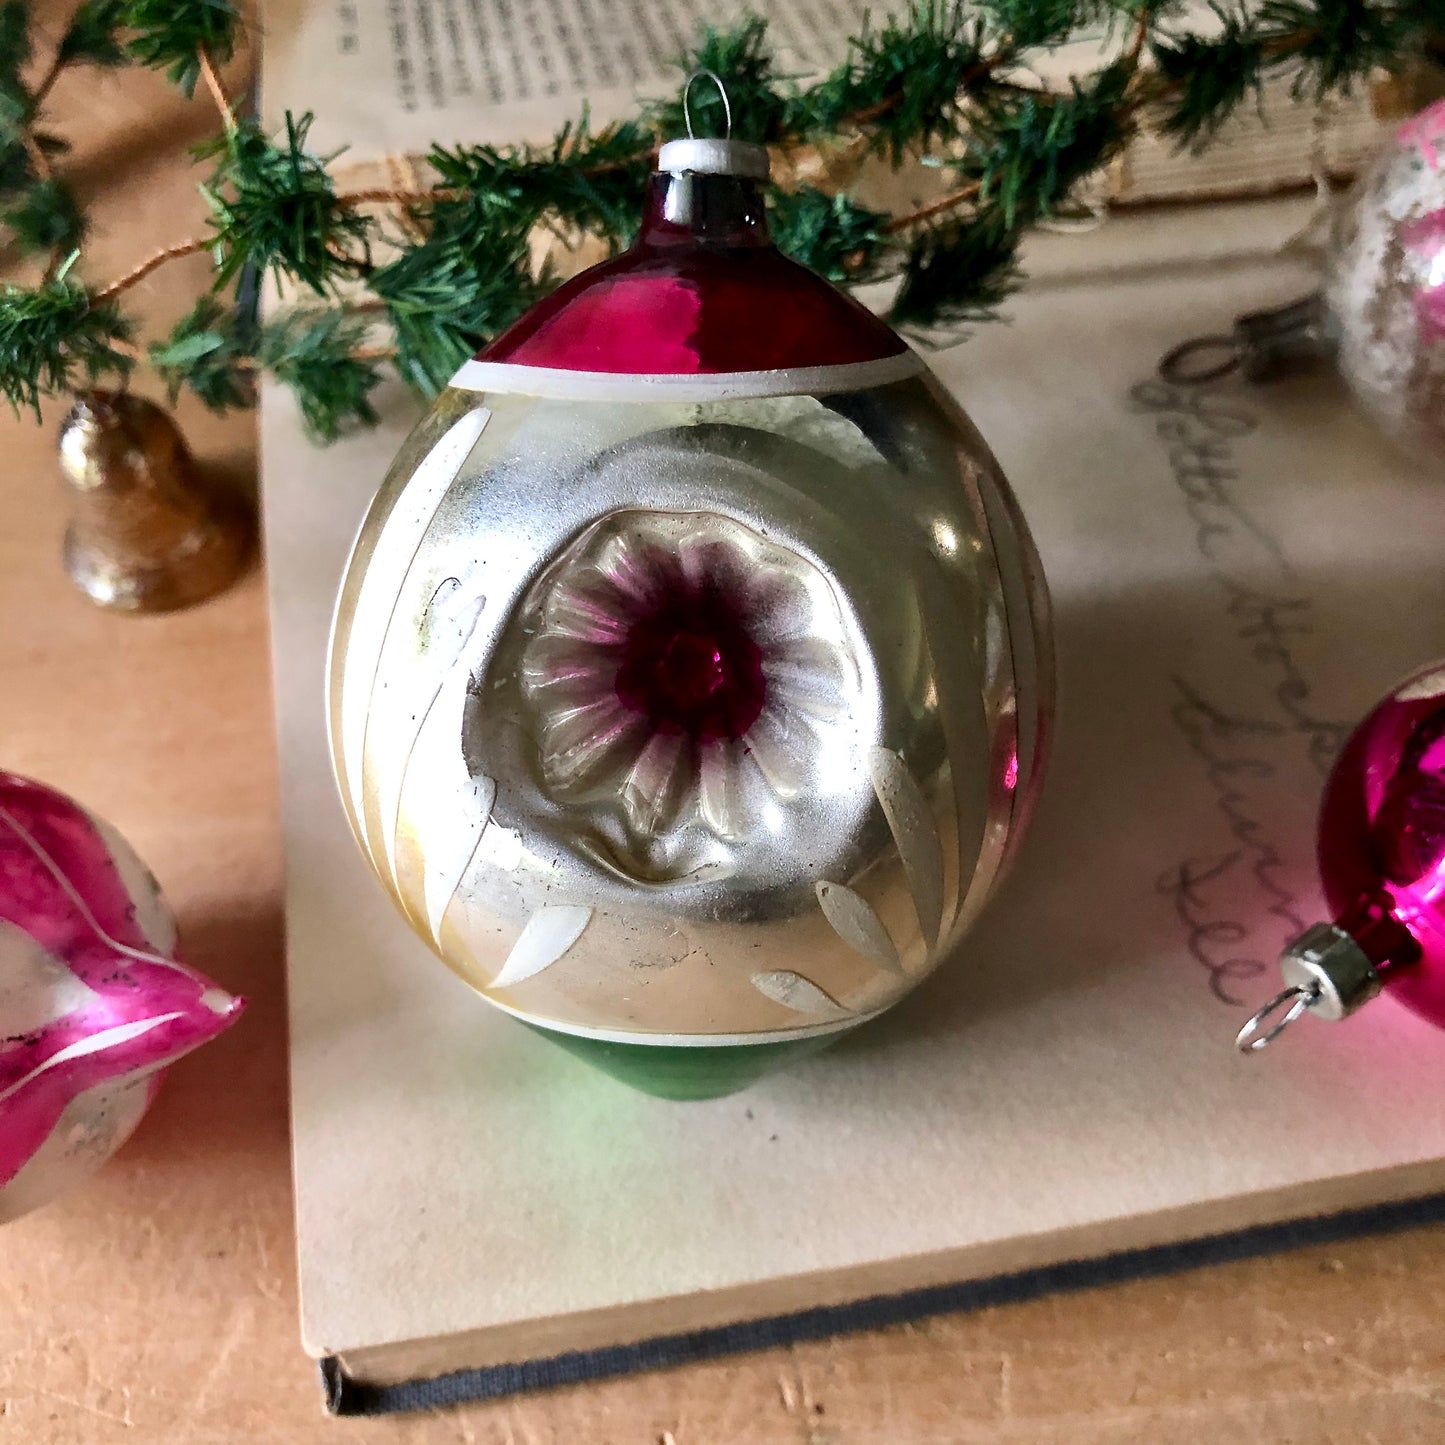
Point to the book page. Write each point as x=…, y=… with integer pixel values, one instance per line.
x=1066, y=1085
x=1237, y=575
x=388, y=78
x=395, y=77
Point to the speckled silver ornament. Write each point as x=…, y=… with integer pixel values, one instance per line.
x=1385, y=285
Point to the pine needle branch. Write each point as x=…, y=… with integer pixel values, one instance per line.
x=182, y=37
x=54, y=338
x=273, y=205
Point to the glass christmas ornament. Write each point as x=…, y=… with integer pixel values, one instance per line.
x=1379, y=316
x=146, y=533
x=1382, y=863
x=689, y=679
x=93, y=1000
x=1384, y=289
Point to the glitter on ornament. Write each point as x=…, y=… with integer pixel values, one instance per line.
x=1379, y=316
x=1384, y=287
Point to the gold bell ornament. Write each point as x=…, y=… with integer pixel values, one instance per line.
x=147, y=534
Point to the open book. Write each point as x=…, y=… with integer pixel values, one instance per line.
x=469, y=1196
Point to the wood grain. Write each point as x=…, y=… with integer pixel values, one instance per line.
x=158, y=1303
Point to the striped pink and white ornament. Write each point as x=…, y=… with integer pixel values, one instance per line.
x=94, y=1002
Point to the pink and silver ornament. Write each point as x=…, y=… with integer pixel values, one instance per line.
x=1379, y=315
x=690, y=678
x=94, y=1003
x=1384, y=287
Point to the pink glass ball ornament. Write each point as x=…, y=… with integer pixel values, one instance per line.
x=690, y=677
x=1382, y=863
x=94, y=1003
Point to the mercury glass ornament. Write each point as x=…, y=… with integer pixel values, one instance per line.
x=94, y=1002
x=1379, y=317
x=690, y=676
x=1384, y=285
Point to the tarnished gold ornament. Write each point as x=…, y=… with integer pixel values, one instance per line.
x=147, y=535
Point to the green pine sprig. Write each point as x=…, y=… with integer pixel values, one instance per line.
x=55, y=338
x=1211, y=76
x=831, y=234
x=320, y=355
x=274, y=207
x=930, y=298
x=450, y=293
x=45, y=219
x=181, y=37
x=210, y=352
x=907, y=85
x=586, y=181
x=93, y=36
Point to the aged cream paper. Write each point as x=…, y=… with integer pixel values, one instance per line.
x=387, y=78
x=1237, y=575
x=395, y=77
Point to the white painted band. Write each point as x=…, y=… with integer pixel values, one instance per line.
x=705, y=156
x=557, y=384
x=686, y=1041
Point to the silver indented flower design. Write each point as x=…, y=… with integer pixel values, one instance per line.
x=686, y=669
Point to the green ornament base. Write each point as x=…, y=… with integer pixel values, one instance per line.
x=671, y=1072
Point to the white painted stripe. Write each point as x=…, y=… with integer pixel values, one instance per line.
x=376, y=602
x=686, y=1041
x=548, y=934
x=97, y=1043
x=452, y=839
x=142, y=955
x=554, y=383
x=443, y=714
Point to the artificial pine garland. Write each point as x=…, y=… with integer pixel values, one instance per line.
x=420, y=280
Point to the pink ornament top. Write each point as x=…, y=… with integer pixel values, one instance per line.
x=87, y=1001
x=678, y=303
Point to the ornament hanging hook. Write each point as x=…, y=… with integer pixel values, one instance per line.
x=1297, y=999
x=1326, y=972
x=1178, y=369
x=1263, y=345
x=722, y=90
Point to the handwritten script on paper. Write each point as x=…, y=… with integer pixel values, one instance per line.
x=1231, y=903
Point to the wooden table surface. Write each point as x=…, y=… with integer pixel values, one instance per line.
x=158, y=1304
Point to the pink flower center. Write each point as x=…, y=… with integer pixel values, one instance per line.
x=690, y=666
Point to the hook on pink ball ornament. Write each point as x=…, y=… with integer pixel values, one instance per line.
x=1382, y=864
x=94, y=1003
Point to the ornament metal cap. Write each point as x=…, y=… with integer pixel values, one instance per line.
x=711, y=155
x=1264, y=346
x=1326, y=973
